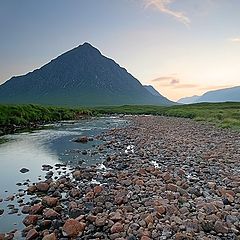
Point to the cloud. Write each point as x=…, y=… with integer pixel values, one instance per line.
x=167, y=80
x=163, y=79
x=235, y=40
x=163, y=6
x=172, y=81
x=186, y=86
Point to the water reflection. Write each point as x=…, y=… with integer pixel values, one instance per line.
x=47, y=146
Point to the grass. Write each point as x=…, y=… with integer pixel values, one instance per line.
x=3, y=140
x=24, y=116
x=226, y=115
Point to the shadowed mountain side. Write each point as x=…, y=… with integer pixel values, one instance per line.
x=152, y=90
x=81, y=76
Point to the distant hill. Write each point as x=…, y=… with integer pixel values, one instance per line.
x=221, y=95
x=188, y=100
x=81, y=76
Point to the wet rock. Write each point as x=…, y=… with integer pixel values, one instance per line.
x=191, y=193
x=145, y=238
x=10, y=198
x=44, y=224
x=36, y=209
x=42, y=186
x=82, y=139
x=183, y=236
x=77, y=175
x=26, y=209
x=220, y=227
x=172, y=187
x=46, y=167
x=101, y=220
x=74, y=193
x=117, y=227
x=32, y=189
x=207, y=226
x=160, y=210
x=116, y=216
x=73, y=228
x=50, y=214
x=1, y=211
x=121, y=198
x=84, y=152
x=30, y=220
x=13, y=211
x=24, y=170
x=51, y=236
x=97, y=189
x=149, y=219
x=32, y=234
x=75, y=212
x=49, y=201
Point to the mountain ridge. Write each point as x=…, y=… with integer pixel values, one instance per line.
x=231, y=94
x=152, y=90
x=80, y=76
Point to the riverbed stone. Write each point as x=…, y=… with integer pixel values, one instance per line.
x=179, y=180
x=32, y=234
x=42, y=186
x=73, y=228
x=24, y=170
x=49, y=201
x=30, y=220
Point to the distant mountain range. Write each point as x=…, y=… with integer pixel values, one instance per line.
x=221, y=95
x=189, y=100
x=81, y=76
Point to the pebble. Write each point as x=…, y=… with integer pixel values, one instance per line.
x=179, y=181
x=24, y=170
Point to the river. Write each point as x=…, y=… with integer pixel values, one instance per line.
x=51, y=145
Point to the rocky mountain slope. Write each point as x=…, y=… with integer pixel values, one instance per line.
x=81, y=76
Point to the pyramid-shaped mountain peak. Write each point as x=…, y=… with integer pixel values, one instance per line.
x=88, y=47
x=81, y=76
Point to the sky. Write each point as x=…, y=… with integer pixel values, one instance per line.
x=181, y=47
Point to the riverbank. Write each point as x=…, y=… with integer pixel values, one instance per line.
x=19, y=117
x=167, y=178
x=224, y=115
x=14, y=118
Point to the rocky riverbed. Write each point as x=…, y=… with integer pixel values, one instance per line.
x=166, y=178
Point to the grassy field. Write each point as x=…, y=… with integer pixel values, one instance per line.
x=226, y=115
x=25, y=116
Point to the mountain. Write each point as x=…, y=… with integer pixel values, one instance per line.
x=221, y=95
x=152, y=90
x=188, y=100
x=81, y=76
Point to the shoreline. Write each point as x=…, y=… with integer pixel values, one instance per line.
x=169, y=178
x=32, y=126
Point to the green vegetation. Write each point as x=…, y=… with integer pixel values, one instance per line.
x=25, y=116
x=3, y=140
x=226, y=115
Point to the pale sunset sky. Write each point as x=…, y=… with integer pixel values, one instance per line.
x=181, y=47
